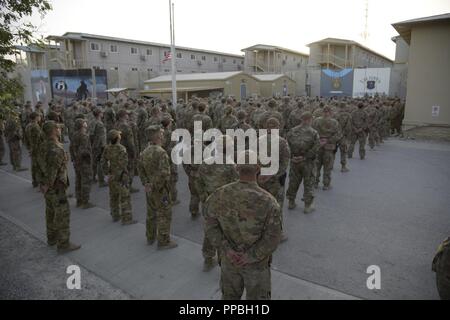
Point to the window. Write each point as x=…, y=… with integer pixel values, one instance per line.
x=134, y=50
x=113, y=48
x=134, y=69
x=149, y=52
x=96, y=67
x=95, y=46
x=204, y=58
x=234, y=61
x=215, y=59
x=192, y=56
x=224, y=60
x=179, y=55
x=149, y=70
x=166, y=70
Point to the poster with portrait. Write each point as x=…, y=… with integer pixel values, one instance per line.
x=40, y=87
x=371, y=81
x=336, y=83
x=78, y=85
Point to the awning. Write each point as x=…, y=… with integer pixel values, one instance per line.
x=188, y=89
x=118, y=90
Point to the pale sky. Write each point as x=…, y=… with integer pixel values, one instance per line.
x=232, y=25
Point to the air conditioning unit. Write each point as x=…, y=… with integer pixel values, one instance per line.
x=143, y=57
x=103, y=54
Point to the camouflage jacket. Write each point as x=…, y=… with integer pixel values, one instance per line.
x=328, y=129
x=34, y=137
x=13, y=131
x=345, y=122
x=114, y=162
x=243, y=217
x=154, y=167
x=127, y=138
x=109, y=118
x=295, y=118
x=284, y=154
x=53, y=164
x=98, y=137
x=359, y=120
x=204, y=119
x=303, y=141
x=213, y=176
x=80, y=149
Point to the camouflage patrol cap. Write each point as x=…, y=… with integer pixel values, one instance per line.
x=272, y=103
x=273, y=123
x=327, y=109
x=122, y=113
x=152, y=130
x=113, y=134
x=306, y=116
x=49, y=126
x=79, y=123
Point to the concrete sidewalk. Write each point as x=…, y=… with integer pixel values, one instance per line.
x=121, y=256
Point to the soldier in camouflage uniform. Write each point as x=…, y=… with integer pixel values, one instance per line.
x=168, y=145
x=275, y=184
x=244, y=222
x=98, y=140
x=329, y=134
x=200, y=116
x=441, y=265
x=54, y=183
x=345, y=122
x=25, y=115
x=193, y=175
x=270, y=113
x=142, y=117
x=14, y=135
x=228, y=121
x=372, y=124
x=114, y=163
x=359, y=126
x=212, y=177
x=154, y=171
x=2, y=142
x=127, y=140
x=35, y=138
x=109, y=117
x=81, y=154
x=304, y=144
x=295, y=116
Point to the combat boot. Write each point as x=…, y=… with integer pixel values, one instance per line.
x=344, y=168
x=70, y=247
x=128, y=223
x=87, y=205
x=170, y=245
x=291, y=204
x=209, y=264
x=309, y=207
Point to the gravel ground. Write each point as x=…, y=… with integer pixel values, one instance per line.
x=32, y=270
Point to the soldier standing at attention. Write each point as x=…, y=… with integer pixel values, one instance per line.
x=127, y=140
x=81, y=154
x=304, y=144
x=114, y=163
x=54, y=183
x=330, y=134
x=35, y=137
x=345, y=122
x=14, y=134
x=212, y=177
x=243, y=221
x=98, y=145
x=359, y=124
x=275, y=184
x=154, y=171
x=168, y=144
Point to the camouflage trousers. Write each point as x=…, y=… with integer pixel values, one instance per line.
x=96, y=166
x=373, y=137
x=194, y=202
x=2, y=148
x=380, y=131
x=34, y=169
x=131, y=169
x=159, y=216
x=276, y=189
x=173, y=181
x=325, y=160
x=255, y=278
x=343, y=150
x=83, y=178
x=57, y=216
x=361, y=138
x=298, y=173
x=120, y=201
x=15, y=154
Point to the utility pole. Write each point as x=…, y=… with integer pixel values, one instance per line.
x=365, y=34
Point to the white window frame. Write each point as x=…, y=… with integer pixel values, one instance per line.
x=193, y=57
x=131, y=51
x=203, y=58
x=113, y=45
x=147, y=52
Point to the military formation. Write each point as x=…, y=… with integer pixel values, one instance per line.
x=112, y=144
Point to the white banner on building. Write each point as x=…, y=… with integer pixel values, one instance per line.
x=371, y=81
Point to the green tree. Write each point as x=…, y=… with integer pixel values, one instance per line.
x=13, y=30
